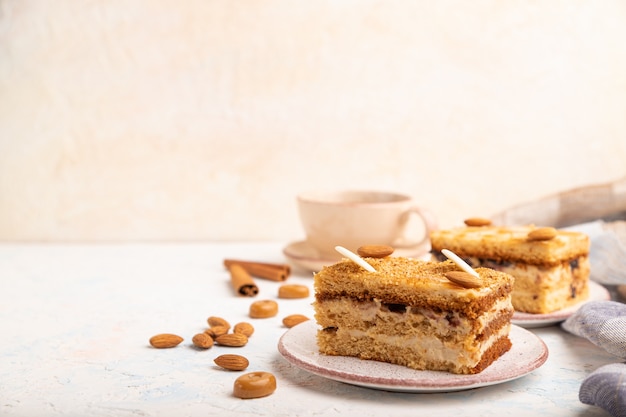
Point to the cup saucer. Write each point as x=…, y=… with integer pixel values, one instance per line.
x=305, y=256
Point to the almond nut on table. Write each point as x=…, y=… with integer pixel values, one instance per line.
x=218, y=321
x=232, y=362
x=244, y=328
x=202, y=341
x=232, y=340
x=216, y=331
x=165, y=340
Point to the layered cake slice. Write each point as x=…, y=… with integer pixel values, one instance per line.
x=408, y=312
x=550, y=266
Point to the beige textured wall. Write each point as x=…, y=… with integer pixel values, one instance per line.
x=189, y=120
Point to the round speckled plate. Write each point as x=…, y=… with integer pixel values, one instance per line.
x=528, y=320
x=299, y=346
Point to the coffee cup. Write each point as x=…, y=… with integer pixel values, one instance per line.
x=353, y=218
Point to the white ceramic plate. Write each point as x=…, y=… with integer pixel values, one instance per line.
x=299, y=346
x=304, y=256
x=528, y=320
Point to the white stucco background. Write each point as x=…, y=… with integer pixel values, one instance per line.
x=202, y=120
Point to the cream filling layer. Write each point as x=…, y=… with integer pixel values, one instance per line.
x=440, y=323
x=532, y=276
x=432, y=348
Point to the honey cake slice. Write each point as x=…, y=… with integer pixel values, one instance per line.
x=408, y=313
x=550, y=274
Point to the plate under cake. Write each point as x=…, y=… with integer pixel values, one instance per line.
x=408, y=313
x=550, y=273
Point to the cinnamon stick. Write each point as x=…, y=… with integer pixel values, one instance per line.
x=271, y=271
x=242, y=282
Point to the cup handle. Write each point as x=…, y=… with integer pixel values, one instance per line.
x=430, y=224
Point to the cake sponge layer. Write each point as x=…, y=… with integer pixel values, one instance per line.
x=412, y=282
x=431, y=354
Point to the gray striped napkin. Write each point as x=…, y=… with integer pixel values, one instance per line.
x=603, y=323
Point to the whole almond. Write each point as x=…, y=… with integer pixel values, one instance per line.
x=374, y=251
x=293, y=291
x=232, y=362
x=542, y=233
x=217, y=321
x=463, y=279
x=244, y=328
x=202, y=340
x=477, y=222
x=165, y=340
x=232, y=339
x=294, y=319
x=216, y=331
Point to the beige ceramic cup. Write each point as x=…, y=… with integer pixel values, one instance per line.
x=356, y=218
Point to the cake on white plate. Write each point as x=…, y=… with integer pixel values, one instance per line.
x=420, y=314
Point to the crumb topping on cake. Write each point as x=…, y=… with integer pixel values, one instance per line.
x=511, y=243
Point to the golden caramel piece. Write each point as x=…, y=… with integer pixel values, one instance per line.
x=293, y=291
x=263, y=309
x=254, y=385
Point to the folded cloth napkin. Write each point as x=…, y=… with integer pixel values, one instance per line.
x=603, y=323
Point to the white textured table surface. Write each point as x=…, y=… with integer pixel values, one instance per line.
x=76, y=320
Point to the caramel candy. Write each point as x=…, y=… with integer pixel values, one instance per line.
x=254, y=385
x=293, y=291
x=263, y=309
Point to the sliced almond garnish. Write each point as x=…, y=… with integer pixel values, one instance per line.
x=355, y=258
x=542, y=233
x=374, y=251
x=463, y=279
x=460, y=262
x=477, y=222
